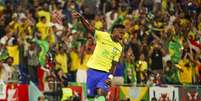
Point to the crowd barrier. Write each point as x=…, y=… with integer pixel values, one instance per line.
x=14, y=92
x=25, y=92
x=157, y=93
x=151, y=93
x=19, y=92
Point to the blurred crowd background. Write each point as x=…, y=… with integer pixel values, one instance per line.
x=41, y=42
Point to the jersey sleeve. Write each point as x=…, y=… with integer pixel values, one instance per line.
x=117, y=55
x=99, y=35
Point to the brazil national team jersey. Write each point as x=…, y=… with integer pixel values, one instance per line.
x=105, y=52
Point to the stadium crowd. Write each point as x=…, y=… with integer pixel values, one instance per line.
x=41, y=41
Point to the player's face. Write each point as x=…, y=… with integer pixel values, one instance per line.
x=118, y=34
x=43, y=20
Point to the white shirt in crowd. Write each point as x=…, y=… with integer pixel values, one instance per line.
x=109, y=20
x=6, y=73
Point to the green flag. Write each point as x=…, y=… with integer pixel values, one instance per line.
x=44, y=45
x=175, y=50
x=4, y=55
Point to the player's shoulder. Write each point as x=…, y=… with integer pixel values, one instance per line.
x=118, y=46
x=101, y=32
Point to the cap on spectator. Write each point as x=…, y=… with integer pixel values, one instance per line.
x=14, y=15
x=22, y=16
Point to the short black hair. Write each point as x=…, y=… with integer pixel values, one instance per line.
x=42, y=17
x=10, y=57
x=40, y=97
x=169, y=61
x=117, y=26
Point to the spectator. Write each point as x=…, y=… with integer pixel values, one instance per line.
x=61, y=59
x=33, y=63
x=171, y=74
x=186, y=74
x=43, y=28
x=164, y=35
x=141, y=69
x=61, y=78
x=111, y=16
x=5, y=72
x=156, y=55
x=44, y=12
x=85, y=53
x=75, y=63
x=129, y=70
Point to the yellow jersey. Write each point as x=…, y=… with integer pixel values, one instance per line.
x=61, y=60
x=105, y=52
x=13, y=51
x=186, y=76
x=46, y=14
x=14, y=25
x=83, y=65
x=75, y=61
x=142, y=65
x=43, y=28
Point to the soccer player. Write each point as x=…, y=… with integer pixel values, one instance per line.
x=104, y=59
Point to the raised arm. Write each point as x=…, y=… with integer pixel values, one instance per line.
x=86, y=24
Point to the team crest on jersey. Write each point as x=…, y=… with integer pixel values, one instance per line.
x=114, y=50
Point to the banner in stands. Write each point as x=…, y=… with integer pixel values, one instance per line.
x=134, y=93
x=2, y=90
x=80, y=84
x=21, y=93
x=34, y=92
x=83, y=85
x=24, y=92
x=190, y=93
x=114, y=94
x=163, y=94
x=14, y=92
x=11, y=91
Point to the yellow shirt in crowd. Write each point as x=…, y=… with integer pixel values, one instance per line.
x=61, y=60
x=164, y=6
x=46, y=14
x=21, y=29
x=83, y=66
x=186, y=75
x=13, y=51
x=45, y=32
x=43, y=29
x=142, y=65
x=14, y=25
x=105, y=52
x=75, y=61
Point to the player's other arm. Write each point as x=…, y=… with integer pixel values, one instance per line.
x=115, y=61
x=112, y=71
x=113, y=68
x=86, y=24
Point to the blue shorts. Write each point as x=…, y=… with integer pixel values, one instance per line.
x=96, y=79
